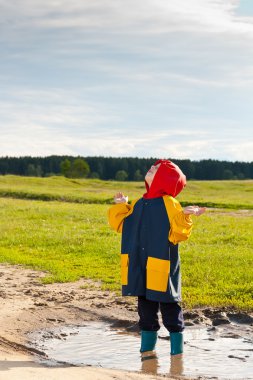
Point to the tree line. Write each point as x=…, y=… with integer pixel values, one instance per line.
x=120, y=168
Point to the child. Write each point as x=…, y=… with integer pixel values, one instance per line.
x=152, y=227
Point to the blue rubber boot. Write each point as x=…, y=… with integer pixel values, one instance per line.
x=176, y=343
x=148, y=340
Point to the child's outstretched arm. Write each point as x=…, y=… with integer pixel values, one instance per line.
x=119, y=211
x=180, y=219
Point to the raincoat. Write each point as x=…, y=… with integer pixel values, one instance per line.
x=152, y=227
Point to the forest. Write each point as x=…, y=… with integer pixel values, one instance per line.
x=123, y=168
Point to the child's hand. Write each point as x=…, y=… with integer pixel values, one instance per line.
x=194, y=210
x=120, y=198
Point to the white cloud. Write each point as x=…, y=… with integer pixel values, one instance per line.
x=126, y=78
x=79, y=130
x=131, y=17
x=52, y=107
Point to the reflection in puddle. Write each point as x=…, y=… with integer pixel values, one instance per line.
x=149, y=364
x=222, y=352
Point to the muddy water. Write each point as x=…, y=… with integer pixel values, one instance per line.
x=224, y=352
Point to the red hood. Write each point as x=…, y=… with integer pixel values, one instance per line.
x=168, y=180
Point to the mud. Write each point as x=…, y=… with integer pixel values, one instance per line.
x=28, y=306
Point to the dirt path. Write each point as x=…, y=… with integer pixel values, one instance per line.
x=27, y=305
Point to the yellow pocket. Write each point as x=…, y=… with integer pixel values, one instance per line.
x=157, y=274
x=124, y=269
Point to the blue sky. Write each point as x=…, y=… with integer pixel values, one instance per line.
x=170, y=79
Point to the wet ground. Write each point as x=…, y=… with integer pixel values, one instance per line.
x=218, y=340
x=217, y=352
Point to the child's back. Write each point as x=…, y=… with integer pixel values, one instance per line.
x=151, y=229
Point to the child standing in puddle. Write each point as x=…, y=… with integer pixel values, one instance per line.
x=152, y=227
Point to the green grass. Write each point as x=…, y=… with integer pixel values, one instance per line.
x=217, y=261
x=72, y=240
x=65, y=189
x=68, y=240
x=222, y=194
x=219, y=194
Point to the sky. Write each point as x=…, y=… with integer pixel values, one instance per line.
x=140, y=78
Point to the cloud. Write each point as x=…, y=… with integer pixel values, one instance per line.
x=57, y=127
x=121, y=19
x=145, y=16
x=116, y=77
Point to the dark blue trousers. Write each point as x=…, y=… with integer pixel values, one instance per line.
x=172, y=315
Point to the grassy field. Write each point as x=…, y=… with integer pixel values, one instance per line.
x=222, y=194
x=72, y=239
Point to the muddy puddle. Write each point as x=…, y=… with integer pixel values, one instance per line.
x=222, y=352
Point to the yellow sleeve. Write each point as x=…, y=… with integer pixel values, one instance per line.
x=117, y=213
x=180, y=224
